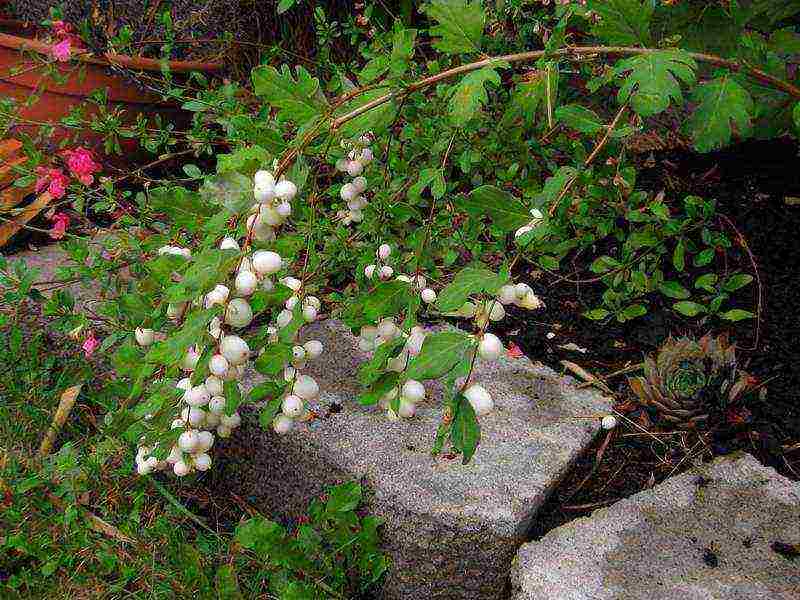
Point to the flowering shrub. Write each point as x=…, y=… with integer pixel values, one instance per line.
x=451, y=170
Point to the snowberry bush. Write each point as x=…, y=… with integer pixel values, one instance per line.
x=414, y=184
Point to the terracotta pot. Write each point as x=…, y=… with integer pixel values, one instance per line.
x=84, y=74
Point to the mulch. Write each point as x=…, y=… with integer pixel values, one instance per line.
x=754, y=184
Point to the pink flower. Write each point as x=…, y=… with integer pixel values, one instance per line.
x=60, y=224
x=82, y=165
x=90, y=344
x=62, y=50
x=53, y=180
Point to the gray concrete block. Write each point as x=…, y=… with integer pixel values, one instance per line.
x=451, y=529
x=706, y=534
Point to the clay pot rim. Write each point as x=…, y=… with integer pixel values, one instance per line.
x=16, y=42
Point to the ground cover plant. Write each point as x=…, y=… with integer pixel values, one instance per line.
x=425, y=177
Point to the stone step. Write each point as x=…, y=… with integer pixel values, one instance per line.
x=706, y=535
x=451, y=529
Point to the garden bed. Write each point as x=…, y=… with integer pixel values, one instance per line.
x=752, y=182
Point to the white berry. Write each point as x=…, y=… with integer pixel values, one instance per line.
x=479, y=398
x=234, y=349
x=490, y=347
x=188, y=440
x=229, y=243
x=197, y=396
x=305, y=387
x=609, y=422
x=413, y=391
x=292, y=406
x=285, y=190
x=238, y=314
x=282, y=424
x=428, y=296
x=266, y=262
x=313, y=348
x=245, y=283
x=218, y=365
x=202, y=462
x=145, y=337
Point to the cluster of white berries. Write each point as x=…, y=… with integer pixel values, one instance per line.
x=412, y=391
x=489, y=347
x=358, y=157
x=273, y=205
x=384, y=272
x=202, y=412
x=301, y=388
x=538, y=217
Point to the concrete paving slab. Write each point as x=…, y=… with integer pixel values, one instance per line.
x=703, y=535
x=451, y=530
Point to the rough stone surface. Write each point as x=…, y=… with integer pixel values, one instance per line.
x=706, y=534
x=451, y=529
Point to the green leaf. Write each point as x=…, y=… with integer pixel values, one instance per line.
x=384, y=383
x=596, y=314
x=622, y=22
x=505, y=211
x=285, y=5
x=688, y=308
x=171, y=350
x=207, y=268
x=796, y=117
x=269, y=412
x=553, y=186
x=226, y=584
x=186, y=208
x=468, y=281
x=706, y=282
x=469, y=95
x=701, y=259
x=232, y=190
x=737, y=281
x=377, y=119
x=652, y=80
x=343, y=498
x=372, y=370
x=631, y=312
x=465, y=433
x=374, y=69
x=247, y=159
x=402, y=51
x=440, y=353
x=604, y=264
x=721, y=105
x=385, y=300
x=272, y=360
x=298, y=98
x=673, y=289
x=525, y=101
x=267, y=390
x=459, y=25
x=579, y=118
x=679, y=256
x=260, y=535
x=736, y=314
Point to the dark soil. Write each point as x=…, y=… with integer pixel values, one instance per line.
x=753, y=184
